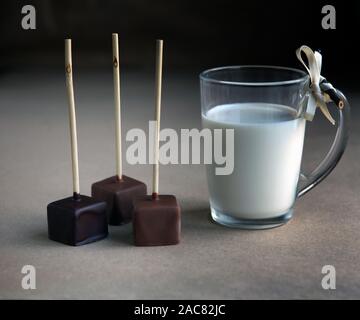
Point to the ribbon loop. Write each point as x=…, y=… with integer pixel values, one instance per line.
x=321, y=90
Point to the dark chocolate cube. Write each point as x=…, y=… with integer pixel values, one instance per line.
x=77, y=221
x=156, y=222
x=119, y=195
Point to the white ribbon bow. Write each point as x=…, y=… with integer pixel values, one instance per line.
x=318, y=98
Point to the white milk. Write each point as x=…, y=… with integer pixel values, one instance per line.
x=267, y=156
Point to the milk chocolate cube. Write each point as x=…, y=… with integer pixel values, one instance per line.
x=77, y=221
x=156, y=222
x=118, y=194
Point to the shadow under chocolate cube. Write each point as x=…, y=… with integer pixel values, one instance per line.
x=77, y=221
x=156, y=221
x=119, y=195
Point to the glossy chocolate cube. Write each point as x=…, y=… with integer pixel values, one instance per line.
x=77, y=221
x=119, y=195
x=156, y=222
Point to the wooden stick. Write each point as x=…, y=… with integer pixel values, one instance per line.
x=158, y=83
x=72, y=118
x=116, y=73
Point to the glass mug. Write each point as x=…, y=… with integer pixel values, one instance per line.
x=265, y=106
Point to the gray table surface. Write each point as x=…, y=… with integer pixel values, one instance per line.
x=212, y=262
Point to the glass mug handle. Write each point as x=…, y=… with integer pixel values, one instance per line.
x=307, y=182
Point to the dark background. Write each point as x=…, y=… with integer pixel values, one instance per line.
x=197, y=34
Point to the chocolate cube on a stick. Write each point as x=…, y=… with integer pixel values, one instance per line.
x=118, y=191
x=78, y=219
x=156, y=218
